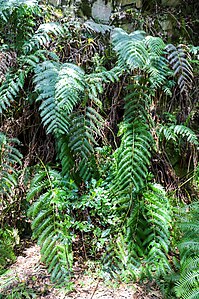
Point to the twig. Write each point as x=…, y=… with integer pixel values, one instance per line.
x=93, y=293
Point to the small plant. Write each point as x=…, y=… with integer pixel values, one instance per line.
x=18, y=292
x=7, y=243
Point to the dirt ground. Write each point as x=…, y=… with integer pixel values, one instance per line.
x=29, y=273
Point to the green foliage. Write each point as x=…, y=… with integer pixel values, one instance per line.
x=9, y=158
x=136, y=50
x=43, y=36
x=19, y=291
x=29, y=46
x=59, y=90
x=116, y=211
x=133, y=155
x=18, y=21
x=58, y=214
x=141, y=246
x=49, y=225
x=10, y=89
x=148, y=231
x=188, y=285
x=174, y=132
x=10, y=161
x=7, y=242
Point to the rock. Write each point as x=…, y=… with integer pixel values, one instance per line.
x=171, y=3
x=101, y=11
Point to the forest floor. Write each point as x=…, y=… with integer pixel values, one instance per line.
x=28, y=278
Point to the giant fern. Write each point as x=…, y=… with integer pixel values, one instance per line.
x=61, y=89
x=49, y=225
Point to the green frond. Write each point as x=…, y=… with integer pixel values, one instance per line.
x=53, y=118
x=41, y=216
x=130, y=48
x=148, y=226
x=187, y=287
x=10, y=89
x=10, y=157
x=31, y=61
x=48, y=222
x=65, y=155
x=95, y=81
x=69, y=87
x=173, y=132
x=43, y=36
x=133, y=159
x=155, y=44
x=85, y=126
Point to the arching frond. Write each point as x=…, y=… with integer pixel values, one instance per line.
x=10, y=89
x=148, y=230
x=179, y=61
x=43, y=36
x=133, y=155
x=173, y=132
x=49, y=225
x=130, y=48
x=60, y=89
x=85, y=127
x=10, y=157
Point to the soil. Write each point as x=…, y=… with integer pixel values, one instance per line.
x=29, y=277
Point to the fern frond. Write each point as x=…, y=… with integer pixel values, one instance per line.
x=95, y=81
x=48, y=223
x=10, y=157
x=84, y=128
x=69, y=87
x=158, y=215
x=133, y=156
x=46, y=76
x=148, y=230
x=43, y=36
x=130, y=48
x=155, y=45
x=65, y=155
x=10, y=89
x=188, y=285
x=179, y=61
x=174, y=131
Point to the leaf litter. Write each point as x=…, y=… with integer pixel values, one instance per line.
x=29, y=278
